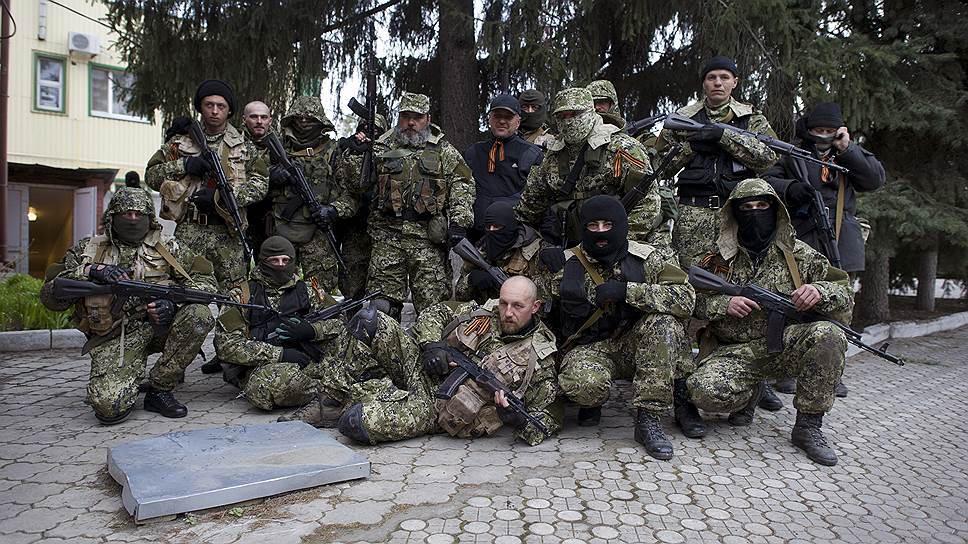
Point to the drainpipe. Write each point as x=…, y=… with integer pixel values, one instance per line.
x=4, y=95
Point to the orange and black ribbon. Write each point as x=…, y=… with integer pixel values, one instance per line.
x=497, y=150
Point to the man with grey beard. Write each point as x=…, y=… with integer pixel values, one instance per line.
x=422, y=204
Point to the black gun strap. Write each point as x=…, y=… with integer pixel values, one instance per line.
x=571, y=179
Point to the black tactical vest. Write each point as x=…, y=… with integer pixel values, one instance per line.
x=717, y=173
x=576, y=308
x=295, y=301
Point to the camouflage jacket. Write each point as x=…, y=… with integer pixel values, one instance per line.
x=539, y=398
x=618, y=163
x=520, y=260
x=773, y=273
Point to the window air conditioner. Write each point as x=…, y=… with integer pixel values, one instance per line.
x=83, y=43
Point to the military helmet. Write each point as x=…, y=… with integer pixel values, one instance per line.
x=130, y=199
x=574, y=99
x=602, y=89
x=416, y=103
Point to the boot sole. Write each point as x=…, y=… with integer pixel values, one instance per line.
x=772, y=407
x=819, y=460
x=168, y=415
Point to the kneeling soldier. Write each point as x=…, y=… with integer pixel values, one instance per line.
x=756, y=245
x=621, y=304
x=121, y=334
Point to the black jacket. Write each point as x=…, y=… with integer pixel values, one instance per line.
x=507, y=180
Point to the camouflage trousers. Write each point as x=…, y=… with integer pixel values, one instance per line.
x=278, y=385
x=318, y=263
x=813, y=353
x=113, y=387
x=645, y=353
x=357, y=247
x=385, y=377
x=216, y=244
x=399, y=262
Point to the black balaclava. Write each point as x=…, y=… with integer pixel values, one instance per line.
x=497, y=242
x=130, y=231
x=755, y=228
x=533, y=120
x=277, y=276
x=305, y=133
x=605, y=208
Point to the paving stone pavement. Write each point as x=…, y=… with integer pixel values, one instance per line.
x=901, y=477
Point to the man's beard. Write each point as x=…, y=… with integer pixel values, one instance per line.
x=414, y=138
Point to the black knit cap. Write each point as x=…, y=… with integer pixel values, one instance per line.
x=825, y=114
x=532, y=96
x=719, y=62
x=132, y=179
x=211, y=87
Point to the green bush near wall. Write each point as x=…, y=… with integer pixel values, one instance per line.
x=20, y=307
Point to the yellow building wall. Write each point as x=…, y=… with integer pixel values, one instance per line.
x=75, y=138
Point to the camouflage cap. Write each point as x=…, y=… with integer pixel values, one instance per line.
x=129, y=199
x=417, y=103
x=307, y=106
x=574, y=99
x=602, y=89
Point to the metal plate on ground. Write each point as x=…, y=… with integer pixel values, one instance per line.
x=194, y=470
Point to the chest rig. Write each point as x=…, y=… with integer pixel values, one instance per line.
x=291, y=216
x=410, y=183
x=714, y=174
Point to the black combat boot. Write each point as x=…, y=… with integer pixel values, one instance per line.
x=648, y=432
x=322, y=412
x=787, y=386
x=840, y=390
x=164, y=403
x=212, y=366
x=808, y=437
x=114, y=420
x=769, y=400
x=589, y=416
x=351, y=425
x=744, y=416
x=686, y=414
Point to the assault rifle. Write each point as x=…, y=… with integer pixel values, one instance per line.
x=678, y=122
x=779, y=311
x=638, y=127
x=278, y=155
x=826, y=234
x=66, y=288
x=466, y=250
x=223, y=187
x=330, y=312
x=637, y=193
x=466, y=368
x=367, y=111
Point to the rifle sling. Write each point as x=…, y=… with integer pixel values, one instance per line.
x=571, y=180
x=792, y=265
x=839, y=218
x=170, y=259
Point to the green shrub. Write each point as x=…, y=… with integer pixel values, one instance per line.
x=20, y=307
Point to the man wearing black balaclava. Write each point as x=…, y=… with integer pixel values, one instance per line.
x=502, y=162
x=756, y=246
x=621, y=307
x=507, y=244
x=824, y=132
x=264, y=354
x=534, y=117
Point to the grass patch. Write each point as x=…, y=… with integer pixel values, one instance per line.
x=20, y=307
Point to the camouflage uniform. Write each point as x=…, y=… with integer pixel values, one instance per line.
x=327, y=174
x=602, y=89
x=267, y=381
x=614, y=163
x=638, y=346
x=119, y=356
x=520, y=260
x=419, y=191
x=212, y=236
x=813, y=353
x=398, y=398
x=258, y=214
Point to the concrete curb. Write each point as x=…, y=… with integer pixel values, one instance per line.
x=15, y=341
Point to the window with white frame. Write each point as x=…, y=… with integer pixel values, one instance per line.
x=109, y=93
x=49, y=94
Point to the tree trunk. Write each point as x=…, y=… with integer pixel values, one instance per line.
x=458, y=73
x=927, y=274
x=872, y=303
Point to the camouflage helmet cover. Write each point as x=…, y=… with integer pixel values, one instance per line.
x=574, y=99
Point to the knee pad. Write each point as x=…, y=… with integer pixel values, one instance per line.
x=363, y=325
x=351, y=424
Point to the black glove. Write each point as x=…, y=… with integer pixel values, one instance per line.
x=610, y=291
x=179, y=125
x=204, y=200
x=455, y=233
x=295, y=329
x=433, y=358
x=509, y=417
x=482, y=281
x=164, y=311
x=354, y=146
x=798, y=194
x=324, y=216
x=291, y=355
x=106, y=273
x=278, y=175
x=552, y=258
x=708, y=133
x=550, y=229
x=197, y=166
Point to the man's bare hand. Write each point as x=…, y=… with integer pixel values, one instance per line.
x=500, y=399
x=741, y=307
x=841, y=139
x=806, y=297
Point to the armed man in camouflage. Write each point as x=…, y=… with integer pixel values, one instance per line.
x=305, y=138
x=388, y=380
x=120, y=339
x=606, y=102
x=534, y=117
x=187, y=187
x=266, y=363
x=422, y=201
x=586, y=158
x=756, y=244
x=256, y=125
x=507, y=244
x=621, y=303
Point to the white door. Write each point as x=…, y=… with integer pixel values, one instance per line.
x=18, y=229
x=85, y=212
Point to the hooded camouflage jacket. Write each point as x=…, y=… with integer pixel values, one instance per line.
x=733, y=262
